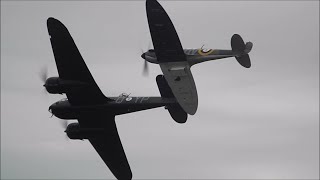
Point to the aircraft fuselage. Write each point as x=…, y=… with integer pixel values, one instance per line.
x=120, y=105
x=194, y=56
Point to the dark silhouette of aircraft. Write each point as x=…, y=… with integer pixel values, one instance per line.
x=96, y=113
x=175, y=62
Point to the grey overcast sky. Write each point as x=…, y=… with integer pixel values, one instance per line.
x=261, y=122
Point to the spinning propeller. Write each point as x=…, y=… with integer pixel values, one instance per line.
x=145, y=70
x=64, y=125
x=43, y=75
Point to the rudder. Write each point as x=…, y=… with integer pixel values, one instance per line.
x=241, y=50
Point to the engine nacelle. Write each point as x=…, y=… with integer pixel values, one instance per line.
x=53, y=86
x=150, y=56
x=56, y=85
x=63, y=110
x=74, y=131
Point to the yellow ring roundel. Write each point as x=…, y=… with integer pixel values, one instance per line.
x=204, y=52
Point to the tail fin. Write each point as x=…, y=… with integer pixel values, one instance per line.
x=242, y=50
x=175, y=110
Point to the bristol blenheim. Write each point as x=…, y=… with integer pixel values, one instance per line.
x=96, y=113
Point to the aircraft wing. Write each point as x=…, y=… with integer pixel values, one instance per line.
x=171, y=57
x=71, y=65
x=107, y=144
x=165, y=39
x=181, y=82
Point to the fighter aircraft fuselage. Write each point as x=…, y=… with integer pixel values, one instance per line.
x=195, y=56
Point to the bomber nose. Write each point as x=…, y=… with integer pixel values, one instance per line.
x=53, y=107
x=50, y=109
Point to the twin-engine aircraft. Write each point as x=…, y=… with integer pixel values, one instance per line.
x=96, y=113
x=175, y=62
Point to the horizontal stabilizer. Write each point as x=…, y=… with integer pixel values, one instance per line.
x=244, y=60
x=175, y=110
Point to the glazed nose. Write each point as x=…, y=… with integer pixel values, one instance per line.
x=50, y=109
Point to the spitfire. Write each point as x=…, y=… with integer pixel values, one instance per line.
x=175, y=62
x=96, y=113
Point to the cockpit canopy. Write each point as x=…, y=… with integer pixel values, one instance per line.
x=124, y=95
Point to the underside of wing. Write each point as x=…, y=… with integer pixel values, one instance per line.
x=181, y=82
x=171, y=57
x=165, y=39
x=108, y=145
x=110, y=150
x=72, y=67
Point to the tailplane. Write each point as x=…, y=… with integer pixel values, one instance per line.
x=241, y=50
x=175, y=110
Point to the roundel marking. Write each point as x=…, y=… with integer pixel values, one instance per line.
x=204, y=52
x=128, y=98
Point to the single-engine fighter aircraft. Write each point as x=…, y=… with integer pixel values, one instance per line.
x=175, y=62
x=94, y=111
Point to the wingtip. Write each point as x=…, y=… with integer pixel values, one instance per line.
x=51, y=20
x=152, y=3
x=54, y=25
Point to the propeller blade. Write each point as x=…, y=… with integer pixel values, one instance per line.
x=64, y=124
x=44, y=91
x=66, y=136
x=145, y=71
x=43, y=74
